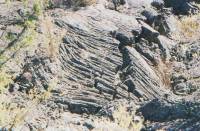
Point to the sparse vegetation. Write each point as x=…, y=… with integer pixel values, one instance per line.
x=10, y=36
x=5, y=79
x=5, y=113
x=164, y=70
x=2, y=59
x=125, y=119
x=52, y=46
x=52, y=39
x=37, y=7
x=84, y=45
x=47, y=94
x=26, y=38
x=12, y=115
x=190, y=26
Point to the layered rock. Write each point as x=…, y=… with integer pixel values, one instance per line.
x=107, y=56
x=96, y=67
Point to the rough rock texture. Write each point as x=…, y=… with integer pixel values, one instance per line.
x=104, y=56
x=181, y=6
x=99, y=65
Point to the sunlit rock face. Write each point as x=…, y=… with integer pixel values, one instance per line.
x=106, y=52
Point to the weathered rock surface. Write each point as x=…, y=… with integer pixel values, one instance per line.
x=100, y=65
x=172, y=115
x=181, y=6
x=106, y=56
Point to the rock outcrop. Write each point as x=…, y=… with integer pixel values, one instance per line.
x=105, y=56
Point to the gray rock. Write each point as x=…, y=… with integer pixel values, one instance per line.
x=106, y=57
x=89, y=124
x=148, y=32
x=158, y=4
x=165, y=46
x=161, y=110
x=150, y=15
x=14, y=87
x=181, y=6
x=181, y=89
x=132, y=65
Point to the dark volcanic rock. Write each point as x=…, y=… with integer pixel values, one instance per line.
x=162, y=110
x=93, y=63
x=37, y=73
x=181, y=6
x=148, y=32
x=158, y=4
x=105, y=57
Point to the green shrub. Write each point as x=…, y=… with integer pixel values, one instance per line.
x=37, y=7
x=10, y=36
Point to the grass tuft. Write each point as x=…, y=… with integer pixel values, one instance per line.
x=5, y=80
x=190, y=26
x=125, y=119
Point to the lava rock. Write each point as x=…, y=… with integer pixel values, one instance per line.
x=159, y=4
x=161, y=110
x=181, y=6
x=148, y=32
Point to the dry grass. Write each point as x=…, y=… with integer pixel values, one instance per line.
x=164, y=71
x=10, y=113
x=189, y=26
x=51, y=40
x=5, y=80
x=47, y=94
x=123, y=120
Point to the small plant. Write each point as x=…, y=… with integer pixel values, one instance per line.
x=5, y=79
x=190, y=26
x=27, y=40
x=37, y=7
x=125, y=119
x=2, y=60
x=47, y=94
x=12, y=115
x=164, y=71
x=10, y=36
x=25, y=2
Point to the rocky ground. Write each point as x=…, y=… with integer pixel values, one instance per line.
x=100, y=65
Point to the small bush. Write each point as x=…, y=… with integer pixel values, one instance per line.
x=125, y=119
x=37, y=8
x=190, y=26
x=10, y=36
